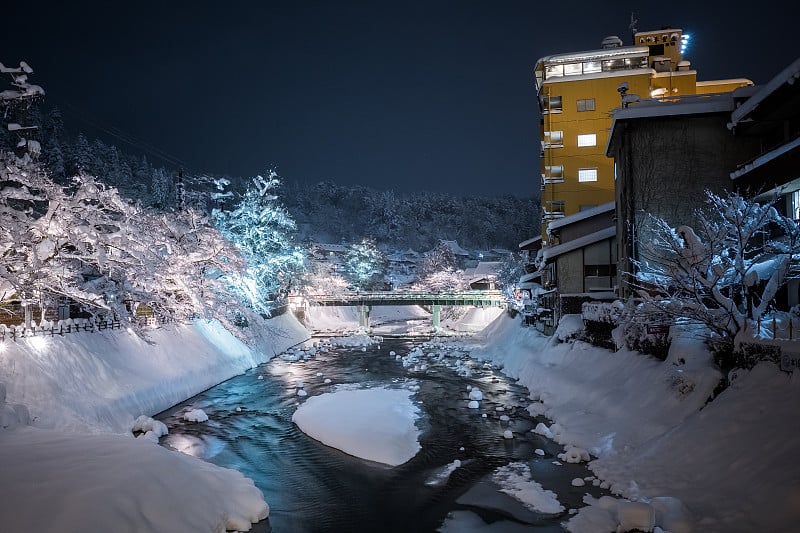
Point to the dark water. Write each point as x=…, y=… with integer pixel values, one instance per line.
x=313, y=488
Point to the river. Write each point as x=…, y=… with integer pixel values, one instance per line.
x=311, y=487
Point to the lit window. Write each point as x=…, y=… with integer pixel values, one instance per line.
x=586, y=104
x=553, y=139
x=551, y=104
x=591, y=66
x=572, y=69
x=587, y=139
x=587, y=174
x=553, y=174
x=553, y=71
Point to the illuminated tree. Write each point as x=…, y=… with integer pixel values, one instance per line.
x=725, y=271
x=365, y=264
x=261, y=230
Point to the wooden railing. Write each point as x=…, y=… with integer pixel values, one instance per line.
x=61, y=328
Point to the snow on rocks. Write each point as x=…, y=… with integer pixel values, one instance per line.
x=508, y=434
x=573, y=454
x=473, y=405
x=607, y=513
x=149, y=429
x=475, y=394
x=515, y=480
x=195, y=415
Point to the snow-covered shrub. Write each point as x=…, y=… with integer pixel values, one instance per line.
x=633, y=328
x=570, y=327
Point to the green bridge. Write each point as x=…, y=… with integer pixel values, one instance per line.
x=433, y=299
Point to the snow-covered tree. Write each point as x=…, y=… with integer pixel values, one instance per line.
x=262, y=230
x=512, y=267
x=364, y=264
x=439, y=259
x=439, y=270
x=725, y=271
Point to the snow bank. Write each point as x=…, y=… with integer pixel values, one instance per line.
x=732, y=462
x=57, y=477
x=56, y=482
x=102, y=381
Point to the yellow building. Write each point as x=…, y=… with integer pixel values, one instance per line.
x=577, y=92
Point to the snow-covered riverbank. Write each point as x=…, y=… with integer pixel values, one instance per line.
x=80, y=469
x=726, y=466
x=731, y=463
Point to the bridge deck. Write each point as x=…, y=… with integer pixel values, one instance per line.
x=474, y=298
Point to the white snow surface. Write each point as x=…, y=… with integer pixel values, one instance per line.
x=728, y=466
x=376, y=424
x=80, y=469
x=725, y=466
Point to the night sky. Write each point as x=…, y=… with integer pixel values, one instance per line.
x=410, y=96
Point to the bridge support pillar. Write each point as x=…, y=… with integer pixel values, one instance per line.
x=363, y=316
x=437, y=313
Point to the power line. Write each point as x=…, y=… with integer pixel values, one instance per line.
x=127, y=138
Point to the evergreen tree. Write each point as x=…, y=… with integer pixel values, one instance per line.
x=262, y=230
x=365, y=265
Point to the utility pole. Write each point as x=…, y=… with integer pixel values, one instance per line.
x=179, y=190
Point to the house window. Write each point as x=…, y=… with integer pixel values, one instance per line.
x=599, y=270
x=551, y=104
x=587, y=174
x=554, y=171
x=553, y=139
x=587, y=139
x=586, y=104
x=796, y=205
x=553, y=174
x=573, y=69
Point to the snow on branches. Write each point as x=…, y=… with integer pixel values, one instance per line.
x=261, y=229
x=725, y=271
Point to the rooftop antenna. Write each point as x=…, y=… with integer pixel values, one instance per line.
x=632, y=27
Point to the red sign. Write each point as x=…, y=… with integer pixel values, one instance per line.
x=657, y=329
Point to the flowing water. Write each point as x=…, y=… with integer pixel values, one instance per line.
x=311, y=487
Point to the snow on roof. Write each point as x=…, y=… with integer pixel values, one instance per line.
x=582, y=215
x=530, y=242
x=530, y=277
x=554, y=251
x=788, y=75
x=486, y=268
x=765, y=158
x=695, y=104
x=454, y=247
x=594, y=55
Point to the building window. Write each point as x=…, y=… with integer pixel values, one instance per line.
x=554, y=71
x=587, y=174
x=599, y=270
x=587, y=139
x=586, y=104
x=573, y=69
x=551, y=104
x=553, y=139
x=592, y=66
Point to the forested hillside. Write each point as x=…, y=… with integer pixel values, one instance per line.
x=324, y=211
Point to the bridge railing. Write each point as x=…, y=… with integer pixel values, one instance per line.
x=493, y=296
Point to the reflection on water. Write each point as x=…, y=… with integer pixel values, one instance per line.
x=313, y=488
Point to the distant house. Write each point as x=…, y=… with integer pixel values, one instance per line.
x=484, y=275
x=581, y=266
x=403, y=262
